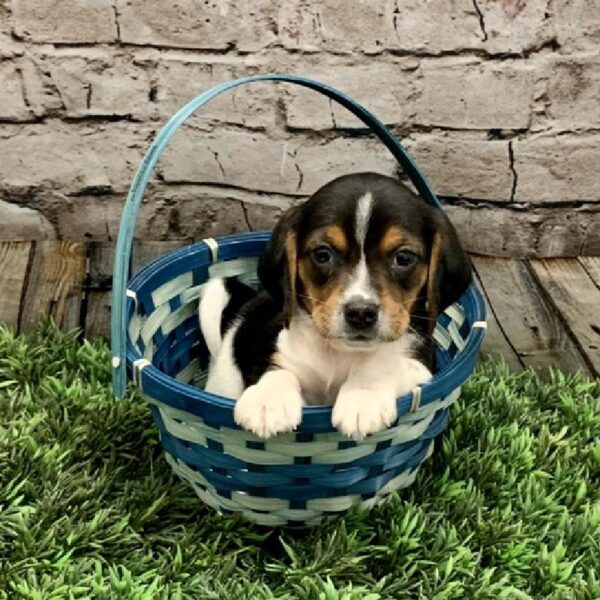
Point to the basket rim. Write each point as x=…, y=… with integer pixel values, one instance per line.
x=443, y=382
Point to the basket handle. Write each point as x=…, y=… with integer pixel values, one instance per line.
x=138, y=187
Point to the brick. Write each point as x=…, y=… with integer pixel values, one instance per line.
x=435, y=27
x=393, y=103
x=256, y=162
x=13, y=106
x=470, y=94
x=102, y=85
x=65, y=21
x=572, y=98
x=557, y=168
x=464, y=168
x=201, y=24
x=343, y=26
x=340, y=26
x=181, y=80
x=591, y=243
x=23, y=223
x=166, y=214
x=71, y=159
x=8, y=46
x=578, y=24
x=516, y=26
x=494, y=231
x=518, y=233
x=42, y=96
x=261, y=217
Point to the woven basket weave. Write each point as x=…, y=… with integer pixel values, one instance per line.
x=295, y=478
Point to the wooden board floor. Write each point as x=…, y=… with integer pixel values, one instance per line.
x=541, y=312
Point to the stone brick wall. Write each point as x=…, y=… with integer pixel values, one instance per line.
x=498, y=100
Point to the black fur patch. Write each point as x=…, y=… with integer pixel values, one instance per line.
x=256, y=337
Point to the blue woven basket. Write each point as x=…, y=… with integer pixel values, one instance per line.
x=292, y=479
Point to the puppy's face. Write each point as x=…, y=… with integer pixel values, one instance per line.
x=364, y=257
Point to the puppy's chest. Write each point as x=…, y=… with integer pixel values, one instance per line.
x=320, y=369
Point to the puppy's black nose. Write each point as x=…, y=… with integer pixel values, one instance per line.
x=361, y=314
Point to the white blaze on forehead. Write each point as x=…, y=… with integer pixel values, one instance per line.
x=363, y=216
x=360, y=285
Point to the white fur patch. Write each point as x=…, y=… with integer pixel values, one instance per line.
x=363, y=216
x=224, y=376
x=212, y=304
x=271, y=406
x=366, y=402
x=327, y=369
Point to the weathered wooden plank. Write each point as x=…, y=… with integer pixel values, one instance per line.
x=495, y=342
x=592, y=265
x=98, y=289
x=569, y=288
x=55, y=284
x=14, y=260
x=530, y=324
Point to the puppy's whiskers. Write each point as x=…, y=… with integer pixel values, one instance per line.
x=312, y=298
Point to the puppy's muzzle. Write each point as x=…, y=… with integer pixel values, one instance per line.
x=361, y=316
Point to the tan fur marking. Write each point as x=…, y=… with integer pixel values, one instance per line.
x=434, y=263
x=395, y=237
x=336, y=237
x=398, y=305
x=322, y=303
x=392, y=239
x=291, y=254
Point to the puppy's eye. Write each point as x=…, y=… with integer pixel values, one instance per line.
x=403, y=259
x=322, y=255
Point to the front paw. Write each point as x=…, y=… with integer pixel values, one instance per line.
x=267, y=412
x=358, y=412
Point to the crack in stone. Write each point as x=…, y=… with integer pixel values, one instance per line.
x=246, y=216
x=88, y=97
x=481, y=20
x=332, y=114
x=24, y=91
x=216, y=155
x=511, y=158
x=395, y=20
x=300, y=175
x=117, y=24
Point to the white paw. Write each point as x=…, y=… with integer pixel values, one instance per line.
x=267, y=412
x=411, y=373
x=358, y=412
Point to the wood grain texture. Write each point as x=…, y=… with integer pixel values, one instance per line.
x=495, y=343
x=99, y=282
x=14, y=260
x=573, y=293
x=101, y=256
x=592, y=266
x=529, y=323
x=55, y=284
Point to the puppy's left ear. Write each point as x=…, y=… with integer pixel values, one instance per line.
x=450, y=268
x=277, y=267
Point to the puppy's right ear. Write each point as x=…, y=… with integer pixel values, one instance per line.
x=277, y=267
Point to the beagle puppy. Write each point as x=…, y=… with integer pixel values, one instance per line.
x=353, y=281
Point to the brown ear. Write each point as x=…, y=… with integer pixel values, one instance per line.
x=291, y=257
x=433, y=281
x=277, y=266
x=450, y=270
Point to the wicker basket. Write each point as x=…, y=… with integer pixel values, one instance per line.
x=295, y=478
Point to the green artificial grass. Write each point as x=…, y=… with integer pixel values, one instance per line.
x=510, y=508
